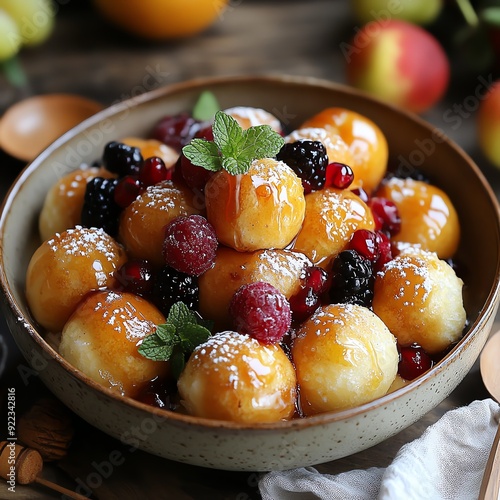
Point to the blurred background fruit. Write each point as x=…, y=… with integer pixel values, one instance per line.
x=415, y=11
x=488, y=124
x=399, y=62
x=160, y=19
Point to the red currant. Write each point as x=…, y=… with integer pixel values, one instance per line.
x=127, y=190
x=153, y=171
x=413, y=361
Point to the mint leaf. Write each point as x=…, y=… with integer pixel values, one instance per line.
x=233, y=148
x=204, y=154
x=206, y=106
x=183, y=331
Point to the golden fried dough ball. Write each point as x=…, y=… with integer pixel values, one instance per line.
x=281, y=268
x=234, y=377
x=62, y=207
x=102, y=336
x=263, y=208
x=419, y=298
x=247, y=117
x=153, y=147
x=428, y=217
x=332, y=216
x=365, y=139
x=66, y=267
x=344, y=356
x=142, y=223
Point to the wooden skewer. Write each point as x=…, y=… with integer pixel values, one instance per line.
x=24, y=465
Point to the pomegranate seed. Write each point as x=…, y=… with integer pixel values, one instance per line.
x=413, y=361
x=338, y=175
x=307, y=299
x=190, y=244
x=153, y=171
x=361, y=193
x=135, y=276
x=386, y=215
x=127, y=190
x=365, y=242
x=261, y=311
x=385, y=250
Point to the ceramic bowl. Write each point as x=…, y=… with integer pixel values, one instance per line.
x=281, y=445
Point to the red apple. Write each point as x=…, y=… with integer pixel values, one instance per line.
x=488, y=124
x=399, y=62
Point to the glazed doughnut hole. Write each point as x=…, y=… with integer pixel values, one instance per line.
x=282, y=269
x=142, y=223
x=365, y=139
x=428, y=217
x=234, y=377
x=63, y=203
x=419, y=298
x=332, y=216
x=263, y=208
x=109, y=326
x=66, y=267
x=247, y=117
x=344, y=356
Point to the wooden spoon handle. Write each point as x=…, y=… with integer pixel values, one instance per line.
x=490, y=486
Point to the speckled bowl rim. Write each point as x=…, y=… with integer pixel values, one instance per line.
x=488, y=309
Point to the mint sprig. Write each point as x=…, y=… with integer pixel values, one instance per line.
x=233, y=148
x=183, y=331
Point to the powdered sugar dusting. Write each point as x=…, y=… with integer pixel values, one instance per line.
x=255, y=116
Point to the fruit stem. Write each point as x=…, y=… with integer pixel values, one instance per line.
x=468, y=12
x=14, y=72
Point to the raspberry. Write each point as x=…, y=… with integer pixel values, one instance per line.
x=339, y=175
x=171, y=286
x=308, y=298
x=135, y=276
x=190, y=244
x=153, y=171
x=413, y=361
x=352, y=279
x=121, y=159
x=176, y=130
x=308, y=159
x=386, y=215
x=99, y=207
x=261, y=311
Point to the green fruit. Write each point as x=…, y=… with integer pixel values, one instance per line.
x=34, y=18
x=414, y=11
x=10, y=40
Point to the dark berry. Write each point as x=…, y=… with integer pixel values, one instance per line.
x=339, y=175
x=193, y=175
x=122, y=159
x=351, y=279
x=413, y=361
x=176, y=130
x=99, y=206
x=160, y=393
x=386, y=215
x=171, y=286
x=308, y=159
x=153, y=171
x=260, y=310
x=190, y=244
x=127, y=190
x=308, y=298
x=135, y=276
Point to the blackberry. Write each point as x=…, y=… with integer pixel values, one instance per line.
x=308, y=159
x=352, y=279
x=122, y=159
x=171, y=286
x=99, y=207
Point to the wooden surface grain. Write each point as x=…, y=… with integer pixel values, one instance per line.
x=87, y=56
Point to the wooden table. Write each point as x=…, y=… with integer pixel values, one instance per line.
x=89, y=57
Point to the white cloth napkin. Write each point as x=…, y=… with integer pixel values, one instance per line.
x=446, y=462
